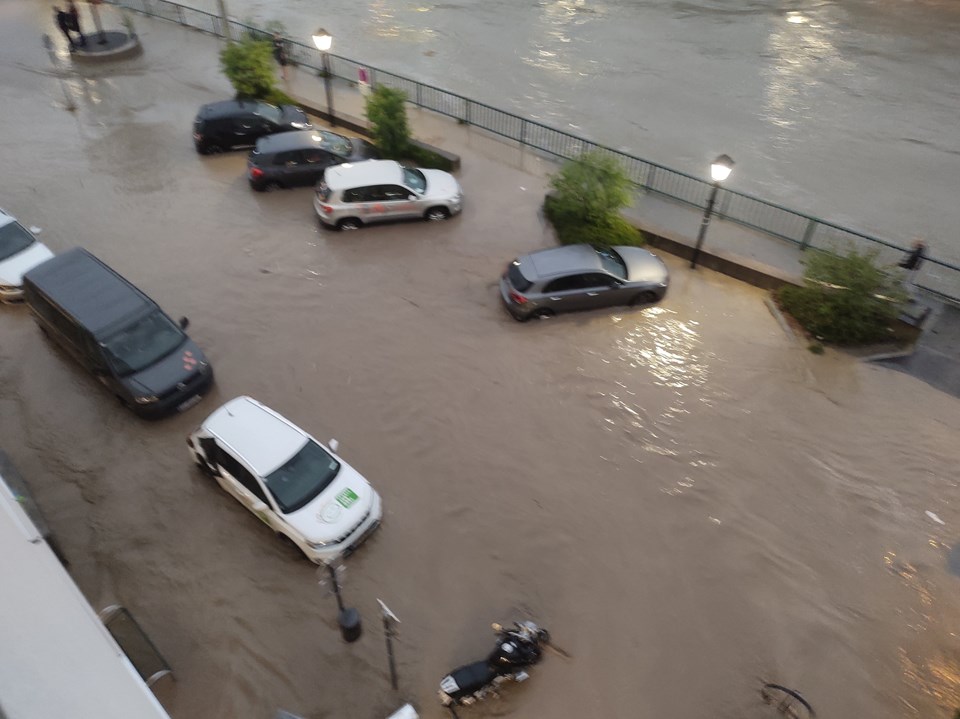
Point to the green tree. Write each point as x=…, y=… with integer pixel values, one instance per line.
x=593, y=189
x=846, y=298
x=387, y=112
x=248, y=64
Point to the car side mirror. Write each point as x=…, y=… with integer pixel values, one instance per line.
x=334, y=444
x=183, y=322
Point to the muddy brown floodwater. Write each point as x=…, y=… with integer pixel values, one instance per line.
x=687, y=499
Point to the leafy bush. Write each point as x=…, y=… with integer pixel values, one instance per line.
x=591, y=189
x=248, y=64
x=422, y=157
x=278, y=97
x=387, y=111
x=571, y=229
x=847, y=299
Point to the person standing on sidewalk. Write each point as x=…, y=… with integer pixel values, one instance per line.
x=280, y=53
x=63, y=22
x=74, y=14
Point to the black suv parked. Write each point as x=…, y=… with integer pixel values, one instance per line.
x=223, y=125
x=299, y=158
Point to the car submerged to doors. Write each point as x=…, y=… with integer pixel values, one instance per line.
x=298, y=487
x=581, y=277
x=117, y=333
x=221, y=126
x=356, y=194
x=298, y=159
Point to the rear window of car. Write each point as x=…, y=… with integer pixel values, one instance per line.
x=517, y=279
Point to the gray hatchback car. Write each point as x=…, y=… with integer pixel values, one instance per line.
x=581, y=277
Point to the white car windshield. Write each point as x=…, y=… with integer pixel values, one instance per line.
x=302, y=477
x=415, y=179
x=13, y=239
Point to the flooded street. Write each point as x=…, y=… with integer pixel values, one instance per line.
x=691, y=502
x=844, y=110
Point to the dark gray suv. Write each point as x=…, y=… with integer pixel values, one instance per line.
x=581, y=277
x=298, y=159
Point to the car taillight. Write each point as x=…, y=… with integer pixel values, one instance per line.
x=256, y=173
x=327, y=209
x=517, y=297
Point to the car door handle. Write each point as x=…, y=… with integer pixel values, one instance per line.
x=556, y=298
x=592, y=294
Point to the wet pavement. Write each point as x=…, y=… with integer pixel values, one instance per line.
x=687, y=499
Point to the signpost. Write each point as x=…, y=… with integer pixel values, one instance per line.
x=348, y=617
x=389, y=621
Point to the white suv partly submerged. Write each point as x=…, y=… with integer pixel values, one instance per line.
x=298, y=487
x=360, y=193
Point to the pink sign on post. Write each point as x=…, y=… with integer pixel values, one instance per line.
x=363, y=77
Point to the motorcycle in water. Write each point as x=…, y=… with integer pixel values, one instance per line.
x=516, y=649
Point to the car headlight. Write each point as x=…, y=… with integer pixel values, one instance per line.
x=319, y=545
x=146, y=399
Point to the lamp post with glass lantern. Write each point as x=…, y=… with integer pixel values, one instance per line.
x=323, y=40
x=719, y=171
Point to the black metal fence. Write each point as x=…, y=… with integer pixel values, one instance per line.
x=935, y=276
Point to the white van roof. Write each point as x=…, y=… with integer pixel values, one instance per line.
x=360, y=174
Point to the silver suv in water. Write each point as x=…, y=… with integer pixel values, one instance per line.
x=356, y=194
x=581, y=277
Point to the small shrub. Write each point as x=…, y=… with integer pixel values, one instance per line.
x=592, y=189
x=847, y=299
x=278, y=97
x=248, y=64
x=816, y=348
x=423, y=157
x=386, y=110
x=572, y=230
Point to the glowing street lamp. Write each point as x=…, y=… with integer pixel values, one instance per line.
x=324, y=40
x=719, y=171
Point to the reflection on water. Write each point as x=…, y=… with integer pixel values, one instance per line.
x=803, y=55
x=384, y=23
x=666, y=347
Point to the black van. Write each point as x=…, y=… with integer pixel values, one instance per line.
x=224, y=125
x=298, y=159
x=117, y=333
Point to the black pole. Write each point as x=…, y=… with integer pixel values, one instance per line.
x=326, y=84
x=336, y=586
x=703, y=225
x=388, y=632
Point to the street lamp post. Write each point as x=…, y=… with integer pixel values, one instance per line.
x=719, y=171
x=323, y=40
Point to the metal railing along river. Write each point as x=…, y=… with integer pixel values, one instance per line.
x=937, y=277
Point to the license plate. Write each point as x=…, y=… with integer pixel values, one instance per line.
x=189, y=403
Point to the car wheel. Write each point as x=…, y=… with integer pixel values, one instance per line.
x=435, y=214
x=349, y=223
x=271, y=186
x=644, y=298
x=212, y=150
x=543, y=314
